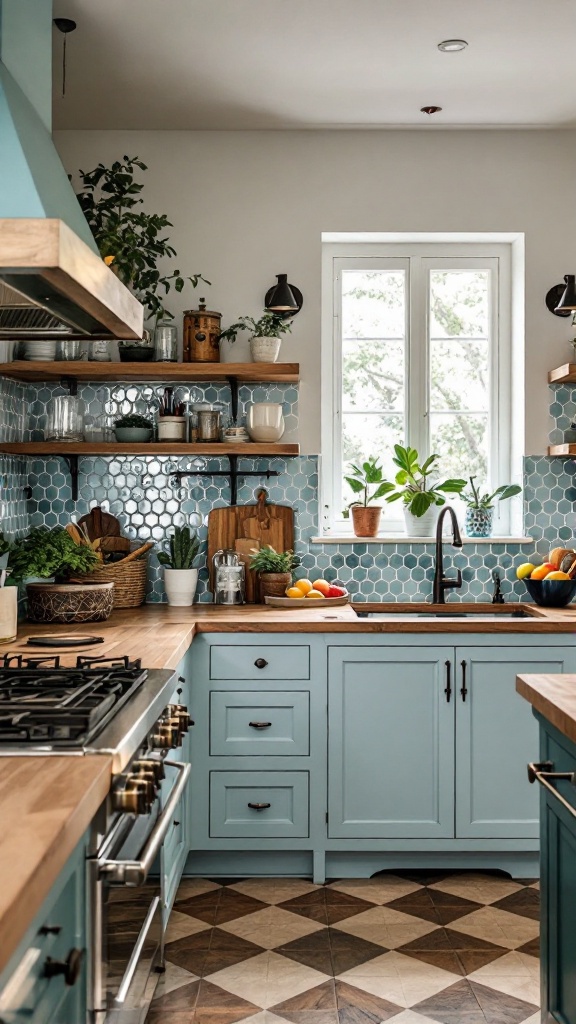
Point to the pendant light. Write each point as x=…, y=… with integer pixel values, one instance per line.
x=64, y=25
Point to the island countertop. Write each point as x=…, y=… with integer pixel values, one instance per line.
x=554, y=697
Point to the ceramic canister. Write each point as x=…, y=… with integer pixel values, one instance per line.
x=201, y=335
x=265, y=422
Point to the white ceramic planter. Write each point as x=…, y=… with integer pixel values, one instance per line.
x=421, y=526
x=265, y=422
x=180, y=586
x=264, y=350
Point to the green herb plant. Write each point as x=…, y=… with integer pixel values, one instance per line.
x=270, y=325
x=477, y=500
x=134, y=420
x=361, y=479
x=267, y=559
x=184, y=549
x=50, y=553
x=412, y=482
x=111, y=202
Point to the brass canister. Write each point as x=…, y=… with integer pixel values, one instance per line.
x=201, y=335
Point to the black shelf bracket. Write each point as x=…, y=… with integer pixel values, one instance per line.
x=233, y=473
x=70, y=383
x=72, y=461
x=233, y=385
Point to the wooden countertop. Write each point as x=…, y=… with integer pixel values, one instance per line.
x=554, y=697
x=46, y=805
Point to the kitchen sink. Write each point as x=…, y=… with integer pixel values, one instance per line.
x=481, y=614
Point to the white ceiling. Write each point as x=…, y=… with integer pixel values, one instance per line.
x=287, y=64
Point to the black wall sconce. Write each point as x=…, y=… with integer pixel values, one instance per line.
x=561, y=299
x=283, y=298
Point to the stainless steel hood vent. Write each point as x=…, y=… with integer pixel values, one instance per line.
x=24, y=319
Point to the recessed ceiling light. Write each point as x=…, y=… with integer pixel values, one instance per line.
x=430, y=110
x=452, y=45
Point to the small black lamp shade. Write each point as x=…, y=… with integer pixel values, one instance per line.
x=568, y=301
x=283, y=297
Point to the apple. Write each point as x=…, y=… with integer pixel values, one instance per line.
x=336, y=592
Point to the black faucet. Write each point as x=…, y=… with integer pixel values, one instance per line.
x=497, y=596
x=440, y=582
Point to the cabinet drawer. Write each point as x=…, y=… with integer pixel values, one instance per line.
x=232, y=793
x=252, y=723
x=259, y=662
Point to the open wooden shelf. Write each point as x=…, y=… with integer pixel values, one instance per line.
x=565, y=374
x=562, y=449
x=249, y=449
x=84, y=370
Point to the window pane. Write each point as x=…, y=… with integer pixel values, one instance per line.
x=459, y=303
x=363, y=436
x=373, y=375
x=460, y=375
x=462, y=441
x=373, y=304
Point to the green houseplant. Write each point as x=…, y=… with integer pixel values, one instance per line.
x=275, y=569
x=133, y=428
x=130, y=241
x=363, y=479
x=180, y=574
x=414, y=485
x=480, y=507
x=53, y=556
x=265, y=335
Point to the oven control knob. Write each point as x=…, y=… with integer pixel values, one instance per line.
x=133, y=798
x=149, y=780
x=183, y=717
x=165, y=737
x=152, y=764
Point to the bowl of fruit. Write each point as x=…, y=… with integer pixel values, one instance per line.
x=552, y=584
x=304, y=593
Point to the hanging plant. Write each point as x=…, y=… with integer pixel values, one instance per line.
x=129, y=240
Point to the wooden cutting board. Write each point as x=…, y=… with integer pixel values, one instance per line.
x=261, y=523
x=100, y=524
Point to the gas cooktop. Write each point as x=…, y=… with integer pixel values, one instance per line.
x=45, y=705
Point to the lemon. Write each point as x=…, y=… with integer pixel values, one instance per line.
x=293, y=592
x=315, y=594
x=304, y=586
x=525, y=570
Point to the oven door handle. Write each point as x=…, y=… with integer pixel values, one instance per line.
x=135, y=872
x=137, y=952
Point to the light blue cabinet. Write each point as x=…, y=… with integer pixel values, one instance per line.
x=391, y=743
x=496, y=735
x=177, y=843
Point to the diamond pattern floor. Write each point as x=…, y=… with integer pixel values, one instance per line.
x=417, y=948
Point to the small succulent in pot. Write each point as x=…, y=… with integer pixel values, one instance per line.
x=480, y=507
x=180, y=576
x=265, y=341
x=366, y=519
x=133, y=428
x=275, y=569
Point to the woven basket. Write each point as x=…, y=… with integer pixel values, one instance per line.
x=68, y=602
x=129, y=581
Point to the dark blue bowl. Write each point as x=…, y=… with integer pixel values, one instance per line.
x=551, y=593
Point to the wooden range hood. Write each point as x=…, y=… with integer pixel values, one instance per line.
x=54, y=270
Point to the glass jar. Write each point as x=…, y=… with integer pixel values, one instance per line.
x=69, y=350
x=99, y=351
x=209, y=420
x=166, y=343
x=64, y=419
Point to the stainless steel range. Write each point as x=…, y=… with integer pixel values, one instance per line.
x=113, y=707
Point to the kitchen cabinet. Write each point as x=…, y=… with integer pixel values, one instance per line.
x=45, y=981
x=390, y=747
x=177, y=842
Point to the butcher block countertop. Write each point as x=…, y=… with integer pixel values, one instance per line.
x=49, y=807
x=554, y=697
x=46, y=805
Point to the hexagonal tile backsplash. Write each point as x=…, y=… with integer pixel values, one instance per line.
x=147, y=499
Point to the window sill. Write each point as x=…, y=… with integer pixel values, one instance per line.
x=330, y=538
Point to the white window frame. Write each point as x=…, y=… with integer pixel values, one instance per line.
x=503, y=255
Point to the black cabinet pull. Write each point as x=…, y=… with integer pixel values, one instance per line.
x=463, y=688
x=259, y=807
x=448, y=687
x=259, y=725
x=50, y=929
x=175, y=823
x=260, y=663
x=69, y=968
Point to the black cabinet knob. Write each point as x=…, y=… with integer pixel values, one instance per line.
x=69, y=968
x=260, y=663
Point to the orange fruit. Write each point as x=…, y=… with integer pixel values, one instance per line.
x=541, y=571
x=322, y=585
x=293, y=592
x=315, y=594
x=304, y=586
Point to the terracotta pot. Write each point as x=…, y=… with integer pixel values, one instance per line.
x=366, y=520
x=274, y=584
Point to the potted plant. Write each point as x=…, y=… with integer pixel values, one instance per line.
x=275, y=569
x=480, y=507
x=133, y=429
x=420, y=496
x=366, y=518
x=265, y=341
x=53, y=556
x=130, y=241
x=180, y=576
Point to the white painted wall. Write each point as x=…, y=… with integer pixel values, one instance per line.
x=249, y=205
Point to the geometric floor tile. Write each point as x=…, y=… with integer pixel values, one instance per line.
x=439, y=947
